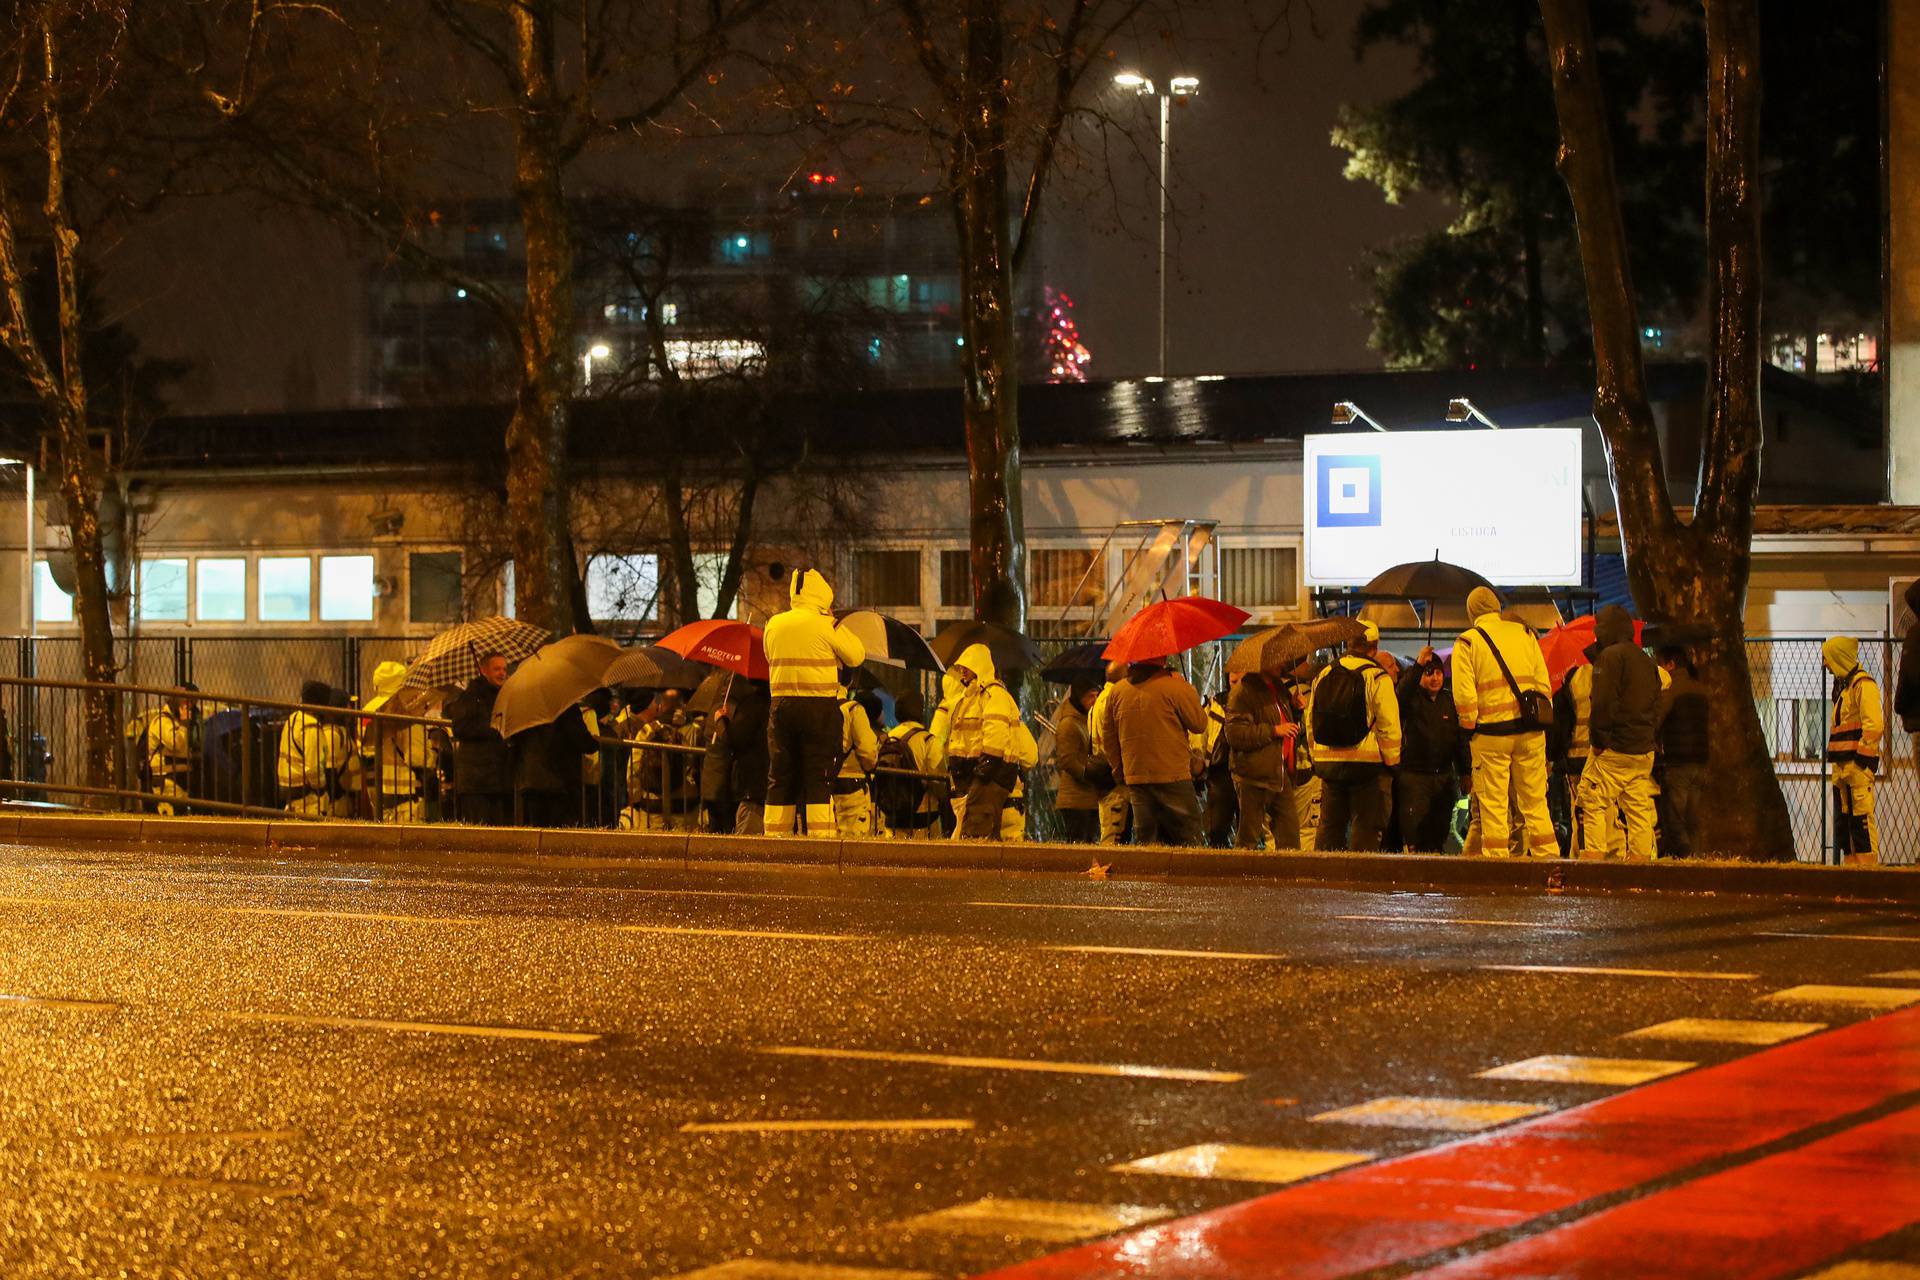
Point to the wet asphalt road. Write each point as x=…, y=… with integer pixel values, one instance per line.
x=215, y=1067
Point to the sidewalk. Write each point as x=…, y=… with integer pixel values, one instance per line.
x=519, y=846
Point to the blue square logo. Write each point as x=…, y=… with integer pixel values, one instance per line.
x=1349, y=491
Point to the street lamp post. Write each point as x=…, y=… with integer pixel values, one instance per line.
x=598, y=351
x=1178, y=87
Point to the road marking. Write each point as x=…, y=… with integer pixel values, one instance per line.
x=169, y=1182
x=689, y=931
x=1244, y=1164
x=1052, y=1220
x=54, y=1002
x=1727, y=1030
x=305, y=913
x=1853, y=997
x=1165, y=951
x=1450, y=1115
x=1869, y=1269
x=1621, y=973
x=823, y=1126
x=1068, y=906
x=1845, y=937
x=429, y=1028
x=1499, y=924
x=270, y=875
x=1126, y=1070
x=768, y=1269
x=236, y=1135
x=1901, y=975
x=1561, y=1068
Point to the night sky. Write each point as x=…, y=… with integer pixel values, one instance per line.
x=1266, y=238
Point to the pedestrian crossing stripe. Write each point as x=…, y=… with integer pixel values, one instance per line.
x=1869, y=1269
x=1056, y=1221
x=1727, y=1030
x=1451, y=1115
x=1562, y=1068
x=1855, y=997
x=772, y=1269
x=1244, y=1164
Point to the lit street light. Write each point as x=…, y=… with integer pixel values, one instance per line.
x=598, y=351
x=1178, y=87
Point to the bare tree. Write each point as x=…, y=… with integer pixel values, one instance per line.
x=1689, y=571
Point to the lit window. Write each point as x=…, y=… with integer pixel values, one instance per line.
x=220, y=590
x=433, y=586
x=1054, y=575
x=1260, y=577
x=669, y=313
x=50, y=603
x=286, y=589
x=346, y=588
x=163, y=591
x=956, y=579
x=885, y=579
x=622, y=588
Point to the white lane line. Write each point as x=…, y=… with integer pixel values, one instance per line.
x=1726, y=1031
x=1498, y=924
x=168, y=1182
x=1070, y=906
x=1125, y=1070
x=1621, y=973
x=774, y=1269
x=1057, y=1221
x=306, y=914
x=825, y=1126
x=430, y=1028
x=1844, y=937
x=690, y=931
x=1852, y=997
x=1563, y=1068
x=1163, y=951
x=55, y=1002
x=1236, y=1163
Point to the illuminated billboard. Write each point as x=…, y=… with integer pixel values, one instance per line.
x=1505, y=504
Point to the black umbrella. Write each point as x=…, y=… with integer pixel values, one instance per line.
x=889, y=640
x=1433, y=579
x=1011, y=651
x=1077, y=663
x=654, y=668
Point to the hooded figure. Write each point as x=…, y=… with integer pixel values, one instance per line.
x=1906, y=689
x=977, y=725
x=1495, y=663
x=394, y=754
x=316, y=768
x=1624, y=727
x=1853, y=747
x=805, y=652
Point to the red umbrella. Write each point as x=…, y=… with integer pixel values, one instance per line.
x=1173, y=626
x=738, y=647
x=1565, y=647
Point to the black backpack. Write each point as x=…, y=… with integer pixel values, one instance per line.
x=899, y=798
x=1341, y=716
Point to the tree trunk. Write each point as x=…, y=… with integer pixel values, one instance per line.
x=1693, y=573
x=989, y=367
x=537, y=468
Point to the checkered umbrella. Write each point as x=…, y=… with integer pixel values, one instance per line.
x=453, y=657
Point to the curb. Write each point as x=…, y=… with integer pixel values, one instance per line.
x=577, y=847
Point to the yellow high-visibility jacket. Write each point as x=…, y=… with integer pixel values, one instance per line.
x=1859, y=722
x=1382, y=743
x=1579, y=687
x=985, y=714
x=805, y=650
x=859, y=748
x=315, y=755
x=1480, y=693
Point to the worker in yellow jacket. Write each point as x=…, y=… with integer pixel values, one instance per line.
x=1495, y=663
x=394, y=755
x=1116, y=803
x=318, y=768
x=1853, y=748
x=852, y=786
x=1353, y=726
x=979, y=744
x=805, y=652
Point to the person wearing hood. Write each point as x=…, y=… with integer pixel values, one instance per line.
x=978, y=736
x=1853, y=748
x=482, y=770
x=163, y=745
x=805, y=652
x=316, y=767
x=859, y=753
x=1353, y=727
x=1154, y=713
x=909, y=745
x=1624, y=726
x=1263, y=739
x=394, y=755
x=1906, y=686
x=1116, y=807
x=1684, y=755
x=1501, y=691
x=1076, y=797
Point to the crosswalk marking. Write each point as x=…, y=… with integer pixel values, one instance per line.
x=740, y=933
x=1497, y=924
x=1727, y=1030
x=823, y=1126
x=430, y=1028
x=1173, y=952
x=54, y=1002
x=1244, y=1164
x=1452, y=1115
x=1127, y=1070
x=1562, y=1068
x=1055, y=1221
x=771, y=1269
x=1854, y=997
x=1620, y=973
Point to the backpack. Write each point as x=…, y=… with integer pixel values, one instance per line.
x=1341, y=717
x=897, y=797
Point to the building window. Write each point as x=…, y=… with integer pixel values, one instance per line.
x=956, y=579
x=885, y=580
x=346, y=588
x=1257, y=578
x=163, y=591
x=433, y=586
x=50, y=603
x=286, y=589
x=220, y=590
x=1054, y=574
x=622, y=588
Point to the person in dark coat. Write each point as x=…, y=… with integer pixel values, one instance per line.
x=1264, y=742
x=1906, y=688
x=1625, y=724
x=546, y=770
x=1077, y=784
x=482, y=770
x=1432, y=754
x=1683, y=749
x=745, y=719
